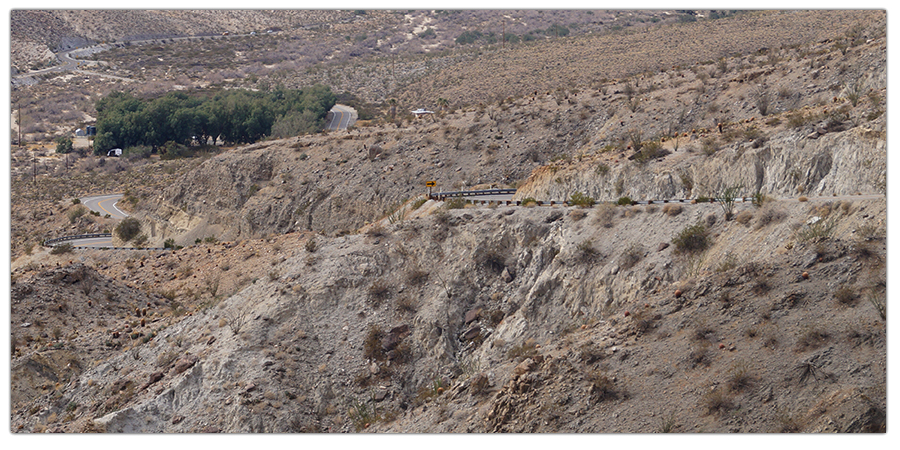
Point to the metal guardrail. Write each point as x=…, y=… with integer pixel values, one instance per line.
x=444, y=195
x=55, y=241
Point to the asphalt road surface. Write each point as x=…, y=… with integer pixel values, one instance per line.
x=99, y=242
x=105, y=204
x=340, y=117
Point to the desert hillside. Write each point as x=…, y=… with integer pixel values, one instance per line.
x=310, y=285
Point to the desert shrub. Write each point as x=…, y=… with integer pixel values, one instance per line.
x=602, y=386
x=717, y=401
x=769, y=215
x=846, y=295
x=455, y=203
x=529, y=202
x=362, y=414
x=811, y=336
x=744, y=217
x=760, y=199
x=76, y=212
x=60, y=249
x=631, y=256
x=416, y=276
x=577, y=214
x=671, y=209
x=709, y=146
x=379, y=291
x=128, y=229
x=604, y=215
x=585, y=251
x=582, y=200
x=623, y=201
x=727, y=200
x=740, y=376
x=311, y=246
x=407, y=304
x=650, y=150
x=819, y=231
x=372, y=343
x=170, y=243
x=137, y=152
x=692, y=239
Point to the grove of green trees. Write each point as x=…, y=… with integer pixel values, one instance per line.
x=232, y=116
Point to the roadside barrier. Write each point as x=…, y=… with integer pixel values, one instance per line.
x=441, y=196
x=56, y=241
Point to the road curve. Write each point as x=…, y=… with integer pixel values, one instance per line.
x=105, y=204
x=96, y=242
x=340, y=117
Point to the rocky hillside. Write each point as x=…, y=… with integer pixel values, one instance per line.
x=651, y=137
x=493, y=319
x=317, y=290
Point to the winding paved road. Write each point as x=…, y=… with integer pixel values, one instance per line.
x=340, y=117
x=105, y=204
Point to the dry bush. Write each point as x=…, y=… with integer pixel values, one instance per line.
x=602, y=386
x=372, y=343
x=740, y=376
x=407, y=304
x=379, y=291
x=846, y=295
x=604, y=214
x=671, y=209
x=744, y=217
x=577, y=214
x=811, y=337
x=769, y=214
x=631, y=256
x=717, y=401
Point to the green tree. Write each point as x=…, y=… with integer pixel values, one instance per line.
x=64, y=144
x=128, y=229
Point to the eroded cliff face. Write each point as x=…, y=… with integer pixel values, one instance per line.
x=788, y=165
x=510, y=319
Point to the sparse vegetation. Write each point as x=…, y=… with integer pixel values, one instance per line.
x=128, y=229
x=403, y=322
x=692, y=239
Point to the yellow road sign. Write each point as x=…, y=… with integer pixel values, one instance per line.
x=430, y=184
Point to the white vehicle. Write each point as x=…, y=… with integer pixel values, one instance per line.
x=114, y=152
x=422, y=111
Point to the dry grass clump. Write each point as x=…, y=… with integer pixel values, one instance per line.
x=604, y=214
x=379, y=291
x=744, y=217
x=602, y=386
x=717, y=400
x=811, y=337
x=740, y=376
x=671, y=209
x=577, y=214
x=846, y=295
x=769, y=214
x=631, y=256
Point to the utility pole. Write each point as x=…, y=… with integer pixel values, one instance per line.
x=19, y=122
